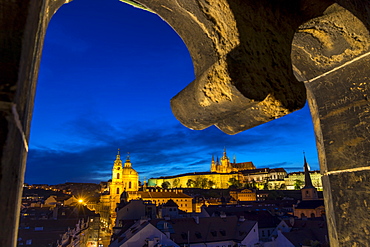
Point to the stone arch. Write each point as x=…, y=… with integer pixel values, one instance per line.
x=241, y=51
x=330, y=54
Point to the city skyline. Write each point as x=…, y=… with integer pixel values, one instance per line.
x=106, y=78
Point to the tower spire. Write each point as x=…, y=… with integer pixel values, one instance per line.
x=307, y=177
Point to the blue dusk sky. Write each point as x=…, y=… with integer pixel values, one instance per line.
x=107, y=75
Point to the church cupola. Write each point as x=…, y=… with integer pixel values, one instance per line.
x=118, y=161
x=128, y=161
x=117, y=169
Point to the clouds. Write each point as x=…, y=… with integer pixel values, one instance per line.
x=161, y=150
x=107, y=75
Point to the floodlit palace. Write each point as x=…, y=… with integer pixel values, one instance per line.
x=224, y=171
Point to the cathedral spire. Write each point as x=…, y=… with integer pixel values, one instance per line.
x=307, y=177
x=224, y=153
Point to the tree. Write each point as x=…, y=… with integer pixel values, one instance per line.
x=298, y=183
x=175, y=182
x=166, y=185
x=211, y=184
x=234, y=183
x=198, y=182
x=254, y=184
x=204, y=183
x=190, y=183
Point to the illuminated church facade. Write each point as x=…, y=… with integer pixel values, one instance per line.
x=124, y=178
x=124, y=187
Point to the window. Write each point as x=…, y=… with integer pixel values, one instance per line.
x=117, y=191
x=129, y=185
x=117, y=175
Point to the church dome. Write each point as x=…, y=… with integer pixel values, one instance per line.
x=127, y=169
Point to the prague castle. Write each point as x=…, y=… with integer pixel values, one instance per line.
x=225, y=166
x=221, y=173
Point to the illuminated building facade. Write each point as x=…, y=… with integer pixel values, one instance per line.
x=124, y=178
x=221, y=173
x=125, y=181
x=315, y=176
x=225, y=166
x=244, y=195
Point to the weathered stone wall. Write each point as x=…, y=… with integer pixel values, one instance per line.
x=332, y=54
x=22, y=25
